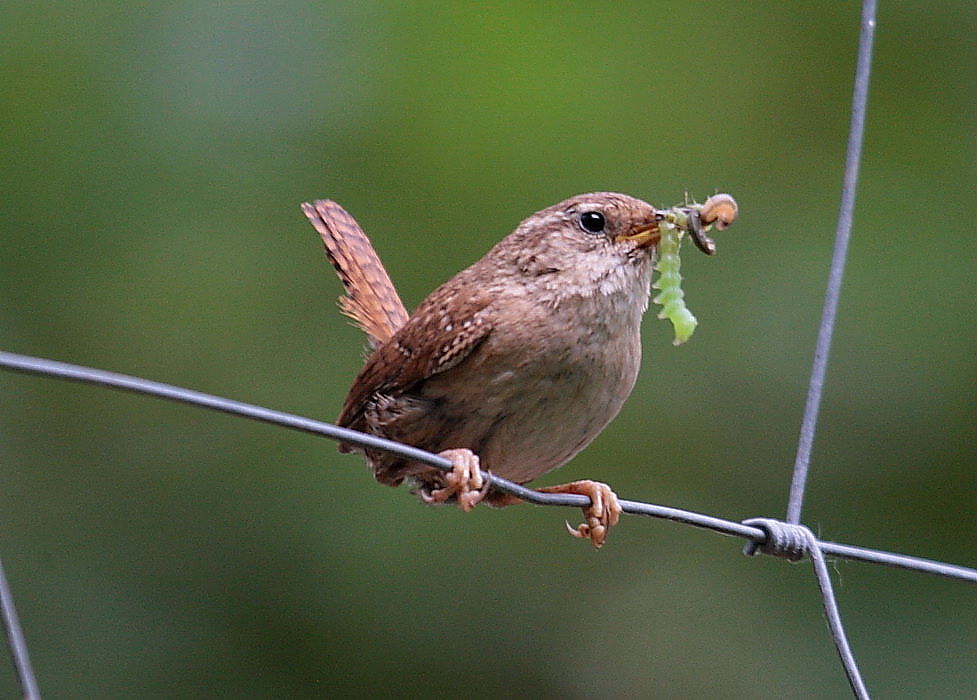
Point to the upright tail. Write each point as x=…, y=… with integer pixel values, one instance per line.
x=371, y=299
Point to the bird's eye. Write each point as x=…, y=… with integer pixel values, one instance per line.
x=592, y=221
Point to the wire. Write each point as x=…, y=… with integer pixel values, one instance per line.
x=789, y=539
x=794, y=542
x=16, y=641
x=762, y=534
x=842, y=237
x=785, y=539
x=88, y=375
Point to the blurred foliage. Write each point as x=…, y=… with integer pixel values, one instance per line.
x=154, y=156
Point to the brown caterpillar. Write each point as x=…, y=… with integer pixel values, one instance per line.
x=720, y=211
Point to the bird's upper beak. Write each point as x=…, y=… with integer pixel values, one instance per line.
x=644, y=235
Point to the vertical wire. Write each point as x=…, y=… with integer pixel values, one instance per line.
x=842, y=236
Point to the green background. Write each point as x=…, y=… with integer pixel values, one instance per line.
x=153, y=158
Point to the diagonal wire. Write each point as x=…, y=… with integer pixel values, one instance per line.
x=834, y=617
x=87, y=375
x=842, y=236
x=16, y=642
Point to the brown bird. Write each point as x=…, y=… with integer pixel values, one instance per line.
x=513, y=365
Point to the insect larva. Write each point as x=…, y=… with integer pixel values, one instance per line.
x=669, y=284
x=719, y=210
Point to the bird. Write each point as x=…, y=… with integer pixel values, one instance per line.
x=516, y=363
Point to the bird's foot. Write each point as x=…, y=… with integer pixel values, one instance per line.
x=464, y=481
x=604, y=509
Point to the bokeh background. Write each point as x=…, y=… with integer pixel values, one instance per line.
x=153, y=159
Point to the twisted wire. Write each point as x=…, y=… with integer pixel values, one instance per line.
x=794, y=542
x=788, y=540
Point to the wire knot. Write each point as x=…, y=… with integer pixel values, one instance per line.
x=784, y=540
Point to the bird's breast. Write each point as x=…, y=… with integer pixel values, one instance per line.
x=545, y=382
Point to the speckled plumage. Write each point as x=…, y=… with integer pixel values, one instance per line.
x=371, y=300
x=523, y=357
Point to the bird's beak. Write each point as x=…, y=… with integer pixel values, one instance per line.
x=644, y=235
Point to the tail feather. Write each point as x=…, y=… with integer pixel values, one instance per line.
x=371, y=299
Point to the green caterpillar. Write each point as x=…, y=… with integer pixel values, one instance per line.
x=719, y=211
x=669, y=283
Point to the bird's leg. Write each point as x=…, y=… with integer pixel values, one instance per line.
x=464, y=481
x=604, y=509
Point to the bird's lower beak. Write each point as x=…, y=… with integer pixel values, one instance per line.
x=644, y=236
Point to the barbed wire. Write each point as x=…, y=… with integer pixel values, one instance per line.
x=786, y=539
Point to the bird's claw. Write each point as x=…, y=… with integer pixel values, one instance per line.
x=603, y=512
x=464, y=482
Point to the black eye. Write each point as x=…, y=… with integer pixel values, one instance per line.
x=592, y=221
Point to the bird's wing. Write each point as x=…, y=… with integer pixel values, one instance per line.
x=410, y=356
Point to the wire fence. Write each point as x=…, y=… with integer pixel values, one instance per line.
x=787, y=539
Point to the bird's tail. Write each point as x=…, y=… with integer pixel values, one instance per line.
x=371, y=299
